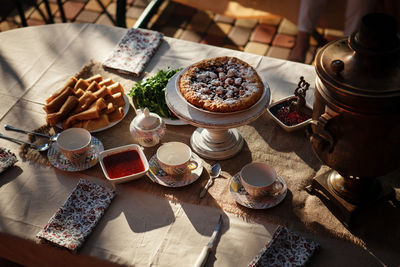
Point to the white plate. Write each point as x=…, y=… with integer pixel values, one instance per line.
x=243, y=198
x=58, y=160
x=207, y=111
x=174, y=122
x=158, y=175
x=126, y=109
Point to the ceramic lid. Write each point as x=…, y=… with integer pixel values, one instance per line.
x=363, y=70
x=147, y=120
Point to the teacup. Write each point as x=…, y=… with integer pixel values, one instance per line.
x=175, y=159
x=260, y=180
x=74, y=144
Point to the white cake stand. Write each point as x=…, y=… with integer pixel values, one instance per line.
x=216, y=138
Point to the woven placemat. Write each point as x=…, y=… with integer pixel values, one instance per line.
x=28, y=153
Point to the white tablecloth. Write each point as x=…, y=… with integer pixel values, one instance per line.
x=138, y=229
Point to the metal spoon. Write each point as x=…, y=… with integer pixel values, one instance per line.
x=52, y=138
x=215, y=172
x=41, y=148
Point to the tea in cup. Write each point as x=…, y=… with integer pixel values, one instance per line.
x=260, y=179
x=175, y=159
x=74, y=144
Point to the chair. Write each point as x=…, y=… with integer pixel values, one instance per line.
x=48, y=19
x=119, y=20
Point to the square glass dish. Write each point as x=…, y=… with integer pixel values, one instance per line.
x=289, y=120
x=124, y=163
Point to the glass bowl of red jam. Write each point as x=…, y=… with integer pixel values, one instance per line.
x=124, y=163
x=287, y=119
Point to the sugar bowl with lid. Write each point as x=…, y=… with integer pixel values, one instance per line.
x=147, y=128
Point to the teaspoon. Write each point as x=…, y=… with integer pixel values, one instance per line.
x=41, y=148
x=215, y=172
x=52, y=138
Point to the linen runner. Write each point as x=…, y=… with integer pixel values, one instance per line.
x=134, y=51
x=77, y=217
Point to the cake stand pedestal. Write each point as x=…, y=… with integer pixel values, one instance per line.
x=216, y=143
x=216, y=136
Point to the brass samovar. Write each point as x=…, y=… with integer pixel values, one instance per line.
x=355, y=127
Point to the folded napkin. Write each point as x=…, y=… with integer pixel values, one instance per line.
x=134, y=51
x=77, y=217
x=286, y=248
x=7, y=159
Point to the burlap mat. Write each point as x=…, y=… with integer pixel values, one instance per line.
x=376, y=228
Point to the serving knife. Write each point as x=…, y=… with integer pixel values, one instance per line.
x=201, y=260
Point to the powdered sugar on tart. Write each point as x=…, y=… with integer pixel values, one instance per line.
x=221, y=84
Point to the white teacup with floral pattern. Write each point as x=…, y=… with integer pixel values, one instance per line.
x=260, y=180
x=175, y=158
x=74, y=144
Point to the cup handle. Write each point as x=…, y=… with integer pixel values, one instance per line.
x=277, y=186
x=192, y=165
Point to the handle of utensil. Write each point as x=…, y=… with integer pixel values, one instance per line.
x=11, y=128
x=201, y=260
x=16, y=140
x=151, y=175
x=203, y=193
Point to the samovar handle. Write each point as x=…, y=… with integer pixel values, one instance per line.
x=322, y=138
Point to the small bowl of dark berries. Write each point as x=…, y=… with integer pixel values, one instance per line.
x=292, y=113
x=288, y=117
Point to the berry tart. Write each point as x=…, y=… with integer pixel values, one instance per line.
x=221, y=84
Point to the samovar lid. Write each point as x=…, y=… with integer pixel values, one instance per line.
x=363, y=70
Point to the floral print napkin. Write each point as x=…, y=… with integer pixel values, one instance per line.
x=77, y=217
x=134, y=51
x=7, y=159
x=286, y=248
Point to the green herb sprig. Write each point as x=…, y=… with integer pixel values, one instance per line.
x=150, y=92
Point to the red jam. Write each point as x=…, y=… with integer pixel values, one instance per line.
x=123, y=164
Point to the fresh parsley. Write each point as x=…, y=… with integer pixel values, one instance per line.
x=150, y=93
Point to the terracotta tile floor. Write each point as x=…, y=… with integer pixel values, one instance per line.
x=273, y=36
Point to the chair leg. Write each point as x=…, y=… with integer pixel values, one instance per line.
x=105, y=11
x=21, y=13
x=121, y=13
x=50, y=16
x=61, y=9
x=41, y=13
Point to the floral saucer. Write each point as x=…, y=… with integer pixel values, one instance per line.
x=158, y=175
x=243, y=198
x=58, y=160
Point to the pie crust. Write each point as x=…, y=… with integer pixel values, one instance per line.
x=221, y=84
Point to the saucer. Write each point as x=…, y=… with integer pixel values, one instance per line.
x=158, y=175
x=243, y=198
x=58, y=160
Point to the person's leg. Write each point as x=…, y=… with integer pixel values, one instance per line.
x=309, y=13
x=355, y=10
x=299, y=51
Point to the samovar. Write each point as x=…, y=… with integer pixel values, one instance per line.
x=355, y=127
